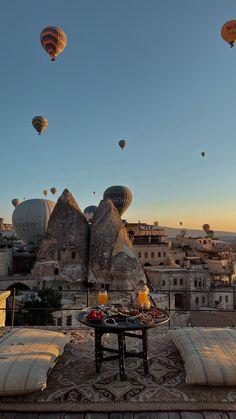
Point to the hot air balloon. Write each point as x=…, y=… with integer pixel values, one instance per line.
x=210, y=233
x=155, y=223
x=53, y=190
x=40, y=123
x=53, y=40
x=228, y=32
x=183, y=233
x=94, y=192
x=121, y=197
x=203, y=153
x=180, y=223
x=30, y=219
x=15, y=202
x=89, y=212
x=45, y=192
x=123, y=144
x=206, y=227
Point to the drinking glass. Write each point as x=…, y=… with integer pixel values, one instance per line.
x=102, y=297
x=142, y=297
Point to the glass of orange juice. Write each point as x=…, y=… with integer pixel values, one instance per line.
x=102, y=297
x=142, y=297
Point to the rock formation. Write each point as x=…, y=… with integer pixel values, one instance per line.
x=112, y=260
x=65, y=243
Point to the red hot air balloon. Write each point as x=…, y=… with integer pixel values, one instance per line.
x=53, y=40
x=206, y=227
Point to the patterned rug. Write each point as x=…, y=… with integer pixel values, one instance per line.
x=73, y=384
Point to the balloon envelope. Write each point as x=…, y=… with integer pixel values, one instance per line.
x=121, y=197
x=155, y=223
x=45, y=192
x=40, y=123
x=228, y=32
x=203, y=153
x=206, y=227
x=53, y=190
x=53, y=40
x=89, y=212
x=30, y=219
x=122, y=144
x=15, y=202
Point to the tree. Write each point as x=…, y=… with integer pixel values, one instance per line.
x=38, y=310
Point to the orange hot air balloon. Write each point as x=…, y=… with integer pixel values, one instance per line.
x=53, y=40
x=228, y=32
x=45, y=192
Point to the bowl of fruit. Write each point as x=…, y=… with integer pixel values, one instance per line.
x=95, y=315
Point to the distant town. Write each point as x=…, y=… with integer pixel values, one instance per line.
x=185, y=274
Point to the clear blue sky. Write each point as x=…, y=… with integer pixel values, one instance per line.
x=155, y=72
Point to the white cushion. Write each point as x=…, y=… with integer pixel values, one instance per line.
x=26, y=356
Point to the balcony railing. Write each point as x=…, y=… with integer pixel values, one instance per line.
x=88, y=297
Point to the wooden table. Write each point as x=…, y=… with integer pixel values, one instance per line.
x=127, y=327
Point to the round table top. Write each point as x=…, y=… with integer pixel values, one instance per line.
x=126, y=323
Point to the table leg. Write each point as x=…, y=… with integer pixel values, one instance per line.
x=144, y=339
x=98, y=349
x=121, y=355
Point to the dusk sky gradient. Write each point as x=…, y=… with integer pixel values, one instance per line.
x=154, y=72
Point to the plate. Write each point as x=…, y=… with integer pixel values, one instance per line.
x=110, y=324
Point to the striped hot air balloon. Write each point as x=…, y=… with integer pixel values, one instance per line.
x=53, y=40
x=40, y=123
x=121, y=197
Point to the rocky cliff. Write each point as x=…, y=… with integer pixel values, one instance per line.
x=111, y=258
x=65, y=241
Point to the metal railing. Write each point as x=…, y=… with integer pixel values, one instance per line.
x=88, y=297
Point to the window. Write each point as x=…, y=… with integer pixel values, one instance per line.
x=164, y=254
x=56, y=271
x=159, y=254
x=200, y=283
x=146, y=255
x=163, y=283
x=195, y=283
x=226, y=299
x=197, y=300
x=220, y=298
x=175, y=281
x=59, y=321
x=68, y=320
x=152, y=255
x=204, y=241
x=139, y=254
x=73, y=255
x=60, y=288
x=181, y=281
x=203, y=300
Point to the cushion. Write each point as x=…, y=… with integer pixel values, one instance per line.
x=209, y=355
x=26, y=357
